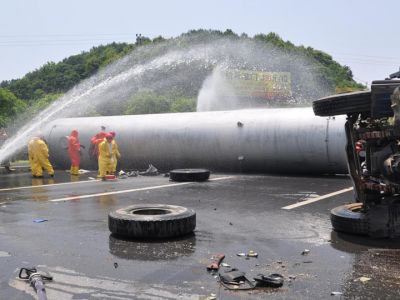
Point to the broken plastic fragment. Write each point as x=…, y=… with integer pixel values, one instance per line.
x=336, y=293
x=305, y=252
x=39, y=220
x=225, y=265
x=364, y=279
x=241, y=254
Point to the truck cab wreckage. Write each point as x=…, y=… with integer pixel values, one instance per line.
x=373, y=154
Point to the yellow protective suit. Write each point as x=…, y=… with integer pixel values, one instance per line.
x=115, y=156
x=39, y=157
x=105, y=158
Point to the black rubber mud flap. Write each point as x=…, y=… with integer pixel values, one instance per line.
x=342, y=104
x=350, y=218
x=155, y=221
x=189, y=175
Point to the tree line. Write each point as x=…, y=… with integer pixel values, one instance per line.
x=38, y=88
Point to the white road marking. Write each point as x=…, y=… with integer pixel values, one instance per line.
x=315, y=199
x=49, y=184
x=134, y=190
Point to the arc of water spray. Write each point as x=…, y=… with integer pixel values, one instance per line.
x=19, y=140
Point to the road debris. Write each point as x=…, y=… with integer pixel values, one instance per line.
x=251, y=253
x=274, y=280
x=225, y=265
x=211, y=297
x=4, y=254
x=39, y=220
x=305, y=252
x=363, y=279
x=151, y=171
x=234, y=279
x=217, y=259
x=336, y=293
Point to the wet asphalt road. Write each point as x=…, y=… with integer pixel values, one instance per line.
x=235, y=214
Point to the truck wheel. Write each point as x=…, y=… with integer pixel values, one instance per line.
x=189, y=175
x=350, y=218
x=155, y=221
x=342, y=104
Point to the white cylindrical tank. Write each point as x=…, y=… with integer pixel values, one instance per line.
x=287, y=140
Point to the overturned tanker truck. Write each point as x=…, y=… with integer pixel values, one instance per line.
x=373, y=153
x=289, y=140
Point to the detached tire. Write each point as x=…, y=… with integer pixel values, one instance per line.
x=342, y=104
x=181, y=175
x=349, y=218
x=156, y=221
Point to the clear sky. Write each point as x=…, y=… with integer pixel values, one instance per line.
x=360, y=34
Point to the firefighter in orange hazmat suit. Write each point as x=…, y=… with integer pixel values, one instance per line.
x=106, y=148
x=115, y=154
x=94, y=145
x=39, y=157
x=74, y=151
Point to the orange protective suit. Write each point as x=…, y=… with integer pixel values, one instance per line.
x=94, y=144
x=39, y=157
x=74, y=151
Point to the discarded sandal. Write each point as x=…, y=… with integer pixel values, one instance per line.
x=234, y=279
x=273, y=280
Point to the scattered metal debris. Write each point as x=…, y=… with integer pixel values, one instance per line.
x=305, y=252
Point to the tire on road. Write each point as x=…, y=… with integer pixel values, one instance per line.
x=342, y=104
x=155, y=221
x=350, y=218
x=189, y=175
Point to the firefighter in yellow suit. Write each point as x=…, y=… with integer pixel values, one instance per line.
x=115, y=154
x=106, y=150
x=39, y=157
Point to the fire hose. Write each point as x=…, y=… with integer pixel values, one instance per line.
x=36, y=280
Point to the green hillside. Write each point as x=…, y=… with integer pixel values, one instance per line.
x=40, y=87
